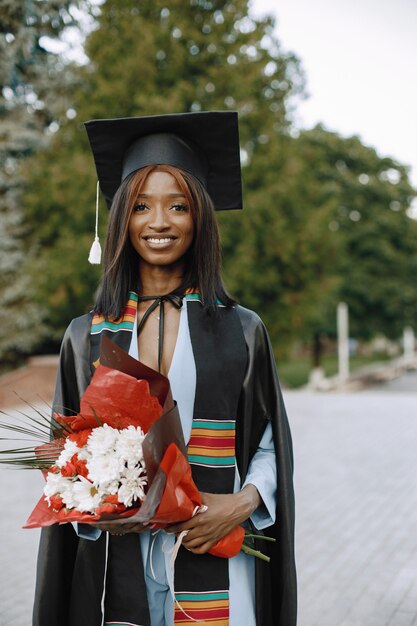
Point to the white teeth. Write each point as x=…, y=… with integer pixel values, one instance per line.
x=154, y=240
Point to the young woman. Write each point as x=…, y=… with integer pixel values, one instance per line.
x=161, y=298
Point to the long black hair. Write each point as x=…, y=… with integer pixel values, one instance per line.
x=202, y=261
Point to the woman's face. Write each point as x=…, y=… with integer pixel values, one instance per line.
x=161, y=226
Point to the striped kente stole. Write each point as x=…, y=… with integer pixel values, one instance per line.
x=220, y=353
x=211, y=607
x=125, y=322
x=212, y=443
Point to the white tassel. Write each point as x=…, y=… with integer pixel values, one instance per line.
x=95, y=251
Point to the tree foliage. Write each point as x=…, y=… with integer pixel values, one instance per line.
x=196, y=55
x=29, y=102
x=325, y=217
x=376, y=261
x=281, y=259
x=326, y=221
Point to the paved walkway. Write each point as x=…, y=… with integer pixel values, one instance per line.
x=356, y=507
x=356, y=513
x=20, y=490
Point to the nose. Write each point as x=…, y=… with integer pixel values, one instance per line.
x=158, y=219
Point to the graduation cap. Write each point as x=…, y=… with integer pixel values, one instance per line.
x=205, y=144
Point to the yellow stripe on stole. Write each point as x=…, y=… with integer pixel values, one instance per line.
x=208, y=432
x=99, y=319
x=205, y=451
x=202, y=604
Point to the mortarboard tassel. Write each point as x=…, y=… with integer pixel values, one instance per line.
x=95, y=251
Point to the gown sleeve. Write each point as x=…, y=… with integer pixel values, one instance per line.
x=58, y=544
x=261, y=403
x=262, y=473
x=74, y=371
x=86, y=531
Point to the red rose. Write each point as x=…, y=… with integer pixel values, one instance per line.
x=112, y=499
x=68, y=470
x=57, y=502
x=111, y=504
x=80, y=466
x=80, y=437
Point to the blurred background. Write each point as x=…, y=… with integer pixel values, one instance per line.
x=325, y=249
x=327, y=160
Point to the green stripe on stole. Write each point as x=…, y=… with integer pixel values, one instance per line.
x=220, y=595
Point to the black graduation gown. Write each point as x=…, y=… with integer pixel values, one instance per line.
x=70, y=571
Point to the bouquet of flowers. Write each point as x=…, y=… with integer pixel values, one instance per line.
x=121, y=458
x=98, y=471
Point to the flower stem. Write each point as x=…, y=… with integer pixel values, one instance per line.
x=256, y=553
x=259, y=537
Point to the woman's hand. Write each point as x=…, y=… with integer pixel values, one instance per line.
x=120, y=529
x=224, y=512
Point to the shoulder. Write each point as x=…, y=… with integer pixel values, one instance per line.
x=80, y=324
x=78, y=328
x=249, y=319
x=255, y=332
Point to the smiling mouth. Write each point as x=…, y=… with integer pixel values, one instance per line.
x=159, y=240
x=155, y=241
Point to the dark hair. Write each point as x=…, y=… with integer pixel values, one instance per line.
x=202, y=260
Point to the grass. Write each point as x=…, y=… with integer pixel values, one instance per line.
x=295, y=371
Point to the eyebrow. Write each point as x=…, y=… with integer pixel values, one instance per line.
x=168, y=195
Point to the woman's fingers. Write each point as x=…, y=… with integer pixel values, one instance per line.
x=200, y=549
x=206, y=528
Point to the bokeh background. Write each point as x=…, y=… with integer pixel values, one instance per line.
x=327, y=97
x=328, y=187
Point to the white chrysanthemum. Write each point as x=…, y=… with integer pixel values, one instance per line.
x=68, y=494
x=105, y=468
x=132, y=485
x=107, y=489
x=115, y=466
x=102, y=440
x=55, y=484
x=85, y=496
x=84, y=454
x=70, y=448
x=129, y=445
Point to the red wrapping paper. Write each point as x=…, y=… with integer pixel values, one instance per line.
x=125, y=392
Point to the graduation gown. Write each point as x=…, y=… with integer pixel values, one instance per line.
x=72, y=572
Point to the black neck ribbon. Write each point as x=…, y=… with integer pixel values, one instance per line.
x=175, y=300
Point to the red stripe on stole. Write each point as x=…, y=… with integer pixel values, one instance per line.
x=211, y=442
x=217, y=612
x=129, y=310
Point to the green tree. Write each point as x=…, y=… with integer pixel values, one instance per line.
x=326, y=220
x=378, y=236
x=325, y=217
x=281, y=262
x=32, y=82
x=369, y=198
x=164, y=57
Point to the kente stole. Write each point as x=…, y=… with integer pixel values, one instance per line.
x=220, y=353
